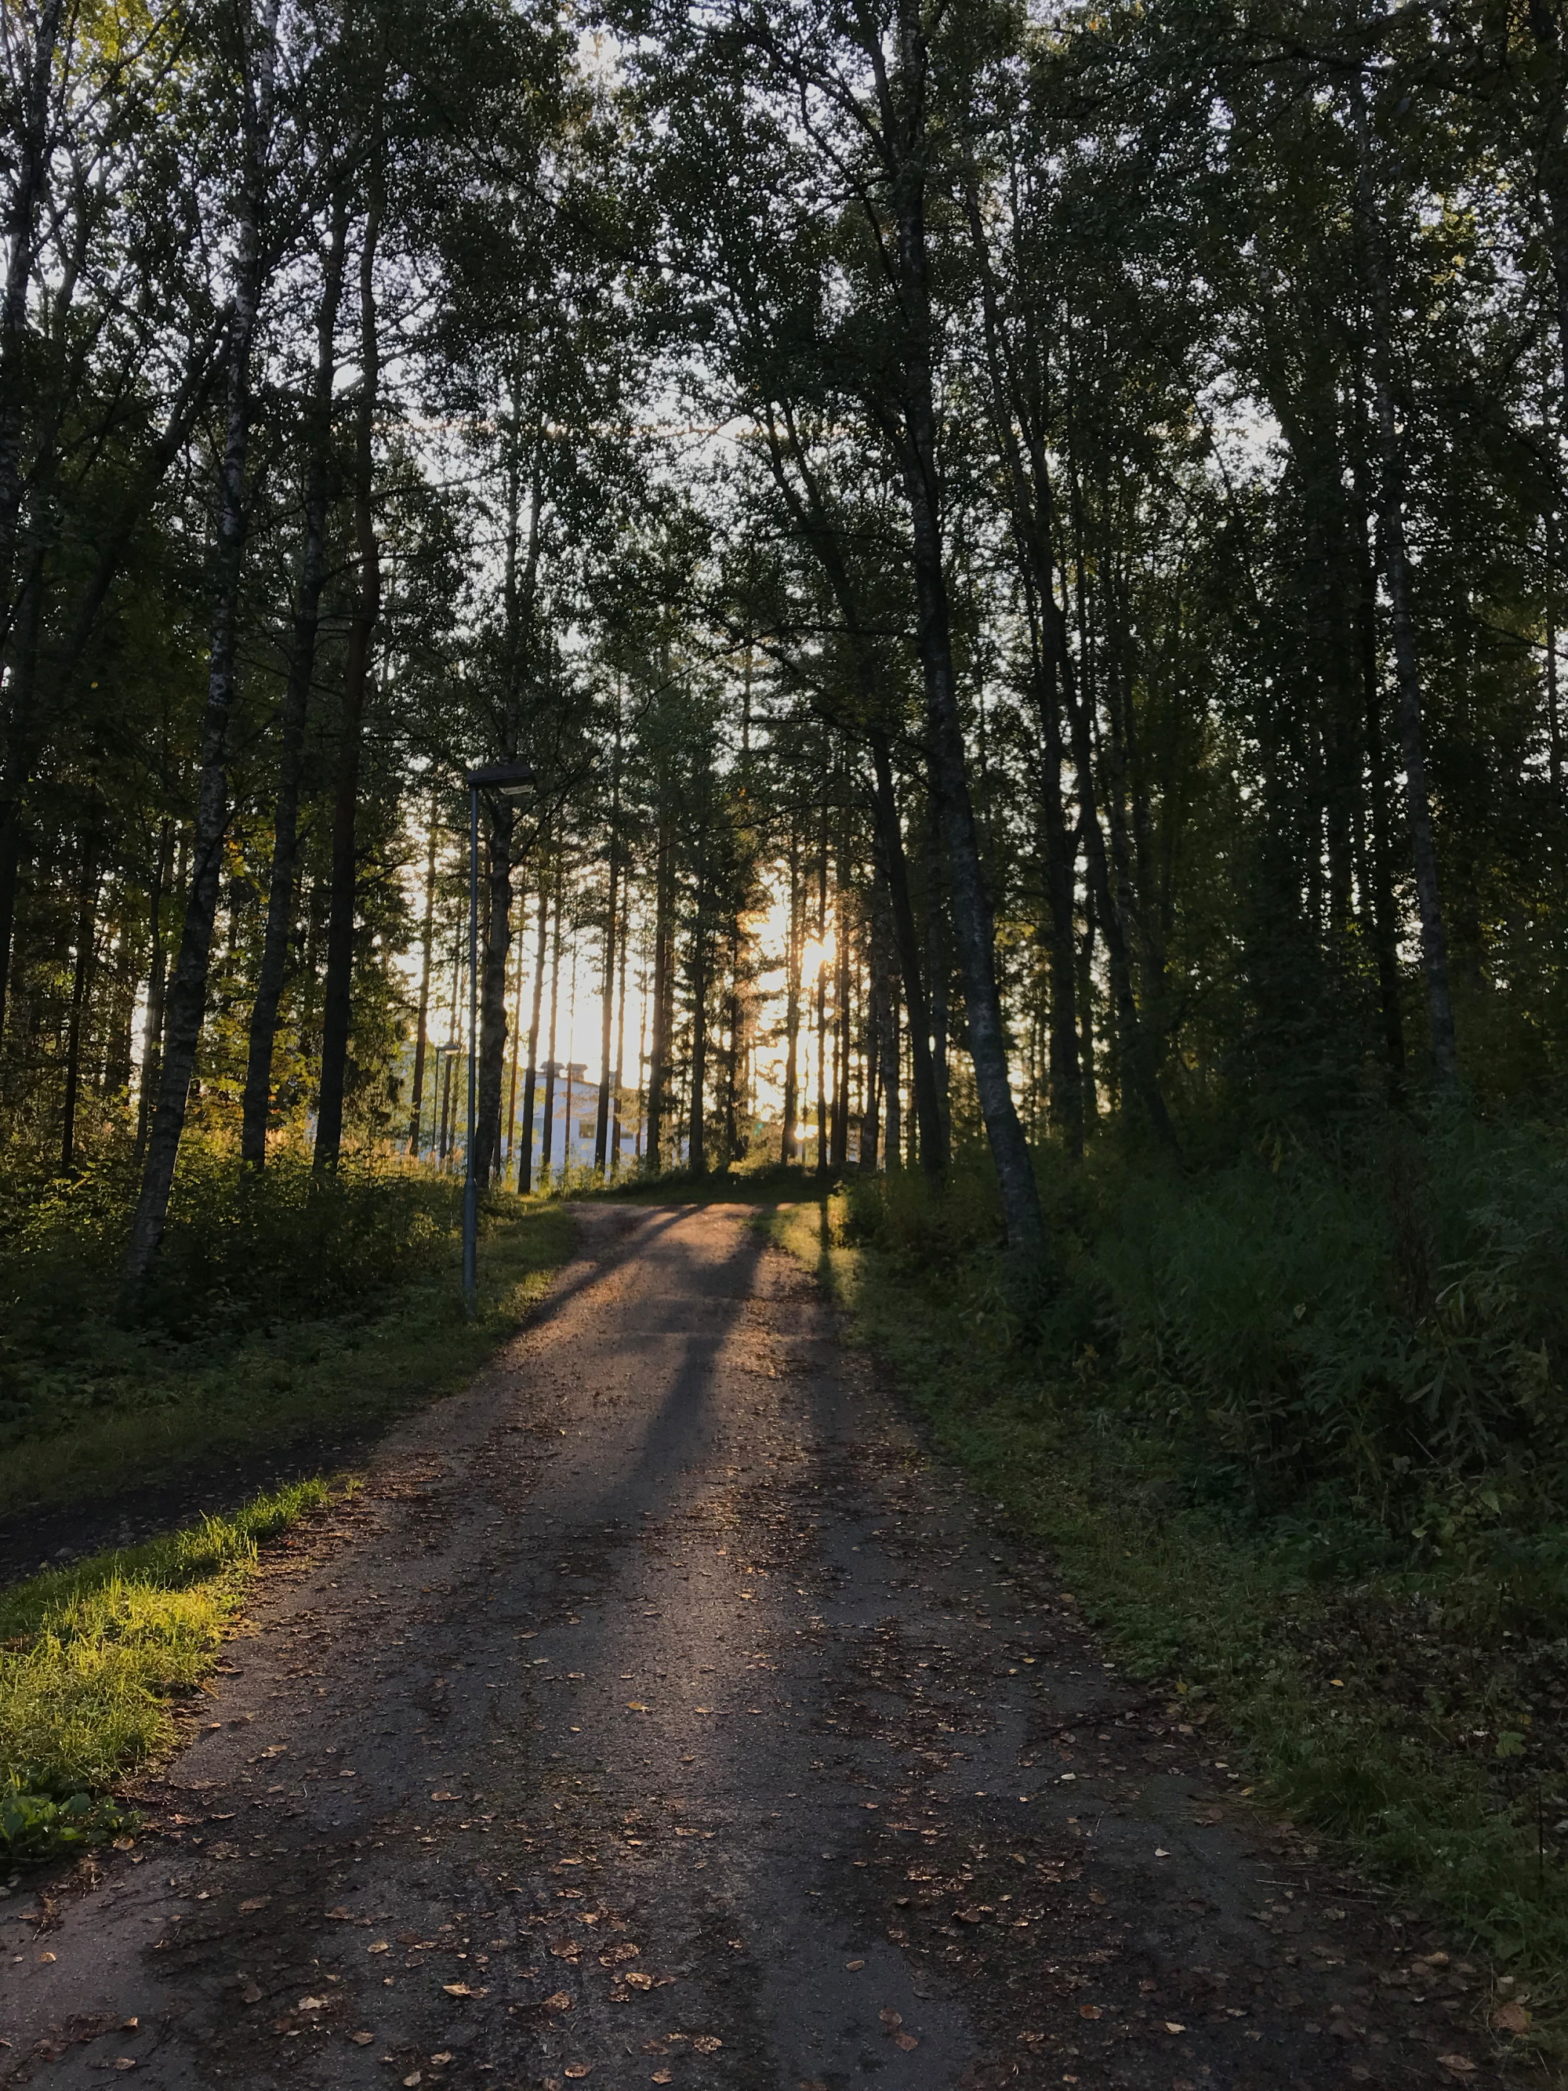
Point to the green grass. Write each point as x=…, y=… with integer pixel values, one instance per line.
x=141, y=1406
x=94, y=1658
x=1357, y=1689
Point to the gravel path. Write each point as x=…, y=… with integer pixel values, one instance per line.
x=658, y=1714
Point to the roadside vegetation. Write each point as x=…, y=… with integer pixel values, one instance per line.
x=95, y=1658
x=293, y=1316
x=1290, y=1427
x=291, y=1309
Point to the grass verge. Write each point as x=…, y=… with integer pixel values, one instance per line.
x=1310, y=1670
x=167, y=1405
x=93, y=1659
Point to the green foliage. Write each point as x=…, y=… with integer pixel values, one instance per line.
x=1389, y=1315
x=289, y=1312
x=93, y=1657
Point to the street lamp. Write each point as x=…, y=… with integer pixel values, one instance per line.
x=507, y=780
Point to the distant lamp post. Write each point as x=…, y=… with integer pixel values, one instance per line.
x=504, y=780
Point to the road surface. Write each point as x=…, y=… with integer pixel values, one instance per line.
x=658, y=1713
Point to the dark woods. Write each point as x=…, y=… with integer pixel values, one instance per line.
x=1025, y=557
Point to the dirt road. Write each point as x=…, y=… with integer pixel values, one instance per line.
x=659, y=1715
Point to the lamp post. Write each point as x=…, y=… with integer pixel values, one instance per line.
x=508, y=780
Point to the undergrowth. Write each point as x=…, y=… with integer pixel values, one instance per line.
x=286, y=1309
x=94, y=1659
x=1295, y=1430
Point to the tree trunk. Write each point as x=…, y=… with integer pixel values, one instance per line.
x=422, y=1025
x=547, y=1135
x=789, y=1144
x=257, y=1105
x=601, y=1130
x=500, y=823
x=338, y=989
x=620, y=1050
x=188, y=994
x=893, y=864
x=659, y=1099
x=509, y=1144
x=697, y=1121
x=30, y=160
x=525, y=1160
x=986, y=1037
x=81, y=973
x=1396, y=574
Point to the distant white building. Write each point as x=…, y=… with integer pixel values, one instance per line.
x=574, y=1120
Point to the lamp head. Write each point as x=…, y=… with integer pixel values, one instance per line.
x=508, y=780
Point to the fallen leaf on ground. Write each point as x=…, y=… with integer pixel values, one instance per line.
x=125, y=2061
x=312, y=2004
x=636, y=1706
x=461, y=1989
x=559, y=2002
x=638, y=1980
x=362, y=2039
x=577, y=2069
x=256, y=1902
x=1173, y=2026
x=853, y=1965
x=1089, y=2011
x=662, y=2076
x=906, y=2041
x=1461, y=2065
x=1511, y=2018
x=379, y=1946
x=250, y=1994
x=707, y=2043
x=891, y=2019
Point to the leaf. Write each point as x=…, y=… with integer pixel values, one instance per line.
x=559, y=2002
x=380, y=1946
x=362, y=2039
x=1461, y=2065
x=636, y=1706
x=906, y=2041
x=1090, y=2011
x=638, y=1980
x=1511, y=2018
x=707, y=2043
x=1174, y=2026
x=662, y=2076
x=256, y=1902
x=578, y=2069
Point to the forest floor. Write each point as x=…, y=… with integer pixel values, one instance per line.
x=626, y=1726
